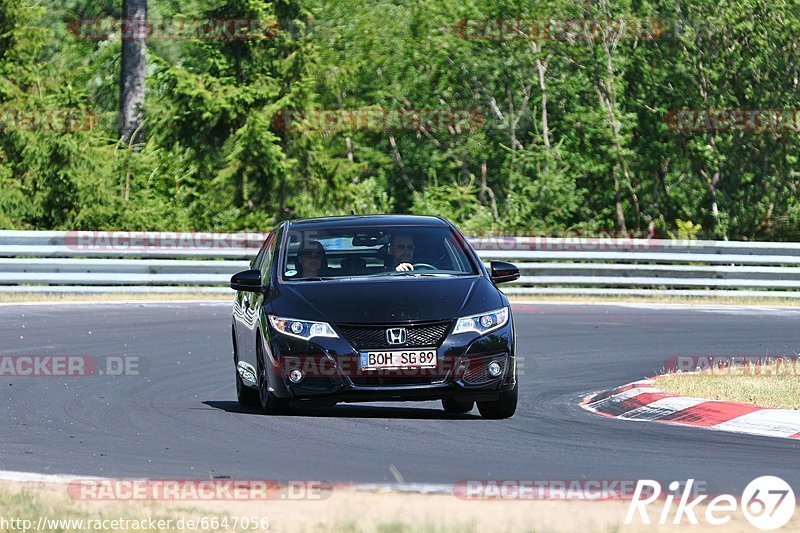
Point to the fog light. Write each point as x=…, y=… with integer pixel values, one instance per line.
x=495, y=368
x=296, y=376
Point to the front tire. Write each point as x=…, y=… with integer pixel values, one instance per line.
x=454, y=406
x=269, y=403
x=246, y=396
x=503, y=407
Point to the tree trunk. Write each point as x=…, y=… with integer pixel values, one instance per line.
x=487, y=191
x=621, y=226
x=541, y=68
x=398, y=158
x=607, y=92
x=134, y=46
x=712, y=183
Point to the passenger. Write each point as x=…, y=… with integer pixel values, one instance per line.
x=311, y=261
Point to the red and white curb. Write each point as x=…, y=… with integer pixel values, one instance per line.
x=642, y=401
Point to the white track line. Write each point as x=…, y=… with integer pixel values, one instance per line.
x=34, y=477
x=668, y=306
x=118, y=302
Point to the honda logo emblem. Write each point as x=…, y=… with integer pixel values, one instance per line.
x=396, y=336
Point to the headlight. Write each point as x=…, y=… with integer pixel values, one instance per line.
x=482, y=323
x=302, y=329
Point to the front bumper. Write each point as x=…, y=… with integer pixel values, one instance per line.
x=332, y=373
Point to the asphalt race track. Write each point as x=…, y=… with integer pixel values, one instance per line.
x=178, y=418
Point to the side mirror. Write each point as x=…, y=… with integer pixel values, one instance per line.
x=249, y=280
x=503, y=272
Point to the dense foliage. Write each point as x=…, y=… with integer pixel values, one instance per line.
x=563, y=134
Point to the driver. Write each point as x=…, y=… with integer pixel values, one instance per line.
x=401, y=252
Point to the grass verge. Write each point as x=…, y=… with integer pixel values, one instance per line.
x=346, y=510
x=775, y=384
x=34, y=507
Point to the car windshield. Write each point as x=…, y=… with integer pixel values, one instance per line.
x=351, y=252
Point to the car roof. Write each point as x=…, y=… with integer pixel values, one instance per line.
x=367, y=221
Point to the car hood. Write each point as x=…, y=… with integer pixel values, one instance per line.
x=390, y=300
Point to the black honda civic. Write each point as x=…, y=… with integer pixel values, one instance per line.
x=373, y=308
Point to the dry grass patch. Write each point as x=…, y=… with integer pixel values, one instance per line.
x=350, y=511
x=773, y=384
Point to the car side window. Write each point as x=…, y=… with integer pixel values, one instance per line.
x=256, y=263
x=266, y=256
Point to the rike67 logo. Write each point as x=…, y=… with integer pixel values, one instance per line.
x=767, y=502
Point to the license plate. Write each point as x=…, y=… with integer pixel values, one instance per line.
x=424, y=358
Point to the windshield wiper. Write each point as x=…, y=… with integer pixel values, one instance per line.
x=314, y=279
x=413, y=273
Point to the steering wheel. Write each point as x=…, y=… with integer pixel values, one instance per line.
x=424, y=266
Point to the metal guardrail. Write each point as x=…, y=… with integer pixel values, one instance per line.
x=98, y=262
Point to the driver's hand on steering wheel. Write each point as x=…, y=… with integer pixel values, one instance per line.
x=404, y=267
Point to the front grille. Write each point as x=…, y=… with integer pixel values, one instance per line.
x=393, y=381
x=418, y=335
